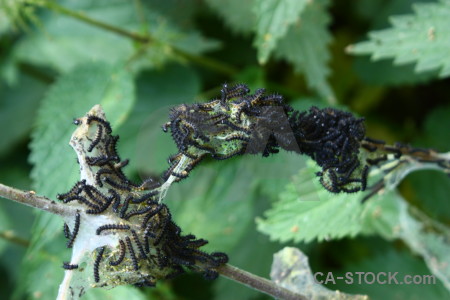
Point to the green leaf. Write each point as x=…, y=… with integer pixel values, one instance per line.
x=237, y=14
x=430, y=189
x=5, y=22
x=12, y=15
x=64, y=42
x=436, y=129
x=182, y=13
x=381, y=215
x=219, y=206
x=18, y=102
x=193, y=42
x=303, y=207
x=273, y=18
x=13, y=173
x=305, y=46
x=142, y=139
x=55, y=169
x=71, y=96
x=383, y=72
x=421, y=38
x=433, y=247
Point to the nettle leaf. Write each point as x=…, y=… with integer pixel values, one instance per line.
x=14, y=15
x=18, y=101
x=306, y=211
x=194, y=42
x=55, y=168
x=273, y=19
x=219, y=206
x=383, y=72
x=72, y=95
x=433, y=247
x=7, y=11
x=155, y=96
x=63, y=42
x=381, y=215
x=305, y=46
x=181, y=13
x=430, y=189
x=237, y=14
x=422, y=38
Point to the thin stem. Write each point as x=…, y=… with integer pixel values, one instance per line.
x=206, y=62
x=83, y=17
x=31, y=199
x=258, y=283
x=420, y=154
x=12, y=237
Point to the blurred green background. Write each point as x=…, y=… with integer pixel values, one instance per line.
x=55, y=64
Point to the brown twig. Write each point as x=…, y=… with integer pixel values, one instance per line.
x=419, y=154
x=261, y=284
x=9, y=235
x=30, y=198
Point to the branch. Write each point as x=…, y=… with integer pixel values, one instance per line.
x=83, y=17
x=13, y=238
x=258, y=283
x=31, y=199
x=263, y=285
x=206, y=62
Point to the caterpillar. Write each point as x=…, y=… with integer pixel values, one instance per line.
x=96, y=140
x=112, y=227
x=76, y=228
x=97, y=264
x=122, y=251
x=138, y=244
x=155, y=230
x=132, y=253
x=101, y=121
x=68, y=266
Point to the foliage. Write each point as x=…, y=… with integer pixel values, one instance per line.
x=55, y=65
x=422, y=38
x=302, y=202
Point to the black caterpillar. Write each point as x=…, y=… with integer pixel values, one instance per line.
x=150, y=237
x=243, y=123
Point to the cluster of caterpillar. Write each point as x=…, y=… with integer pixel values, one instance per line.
x=242, y=123
x=150, y=242
x=224, y=127
x=333, y=139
